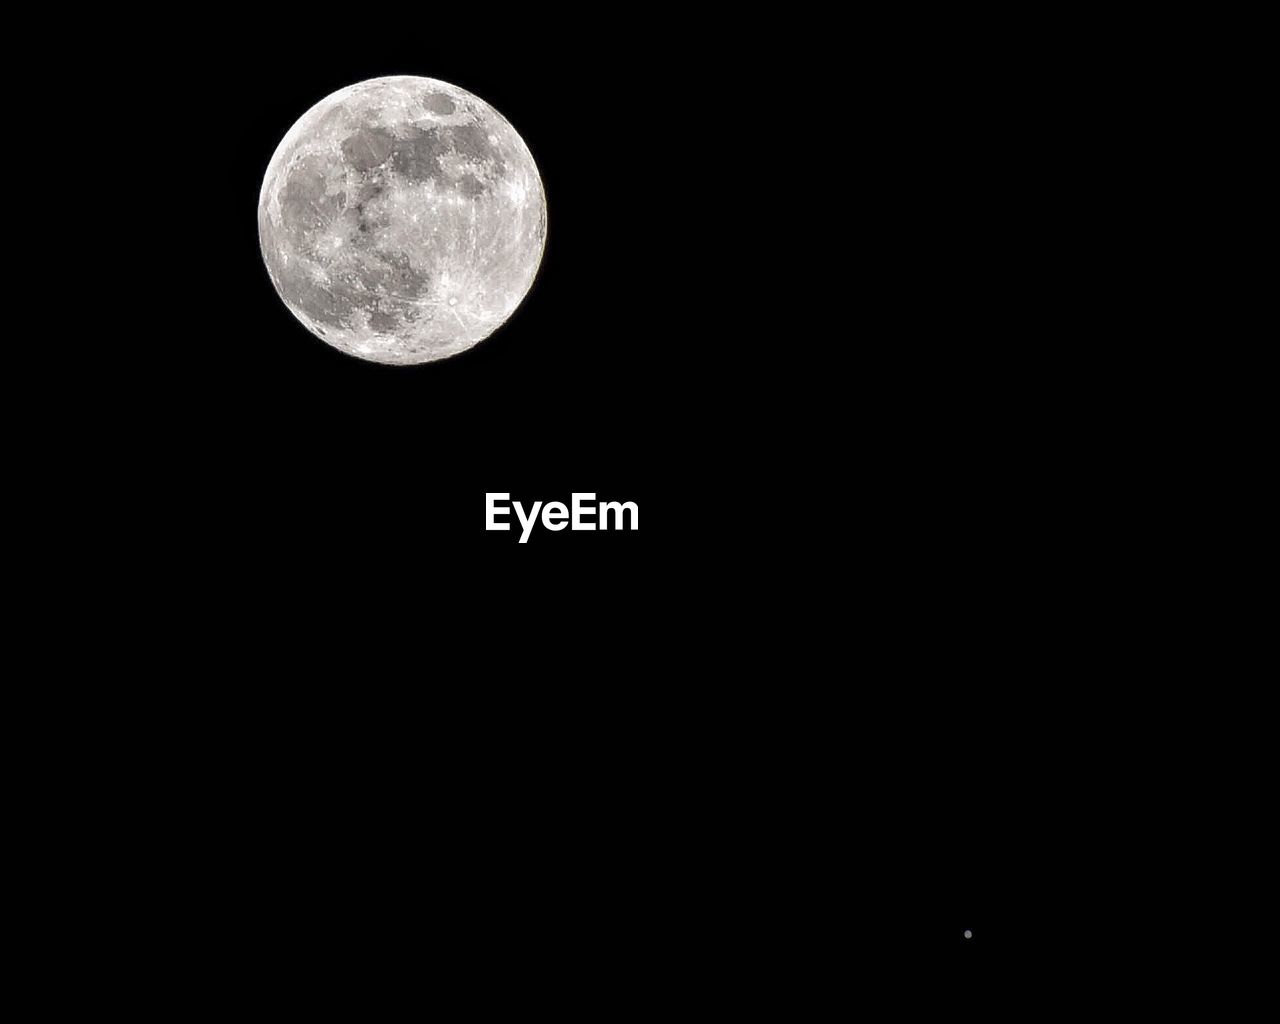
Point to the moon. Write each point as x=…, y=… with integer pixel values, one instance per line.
x=402, y=220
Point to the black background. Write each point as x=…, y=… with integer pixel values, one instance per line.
x=793, y=305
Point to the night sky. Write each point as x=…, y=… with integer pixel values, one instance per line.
x=799, y=302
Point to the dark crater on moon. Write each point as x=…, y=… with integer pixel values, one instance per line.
x=439, y=103
x=417, y=155
x=402, y=279
x=470, y=140
x=470, y=185
x=368, y=148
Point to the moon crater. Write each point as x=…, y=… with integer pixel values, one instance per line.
x=402, y=220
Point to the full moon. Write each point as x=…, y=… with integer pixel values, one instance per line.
x=402, y=220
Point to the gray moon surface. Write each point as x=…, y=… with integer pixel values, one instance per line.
x=402, y=220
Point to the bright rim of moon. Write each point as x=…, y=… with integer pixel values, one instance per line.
x=402, y=220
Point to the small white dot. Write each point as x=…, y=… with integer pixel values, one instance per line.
x=968, y=934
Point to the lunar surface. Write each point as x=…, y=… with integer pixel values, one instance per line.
x=402, y=220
